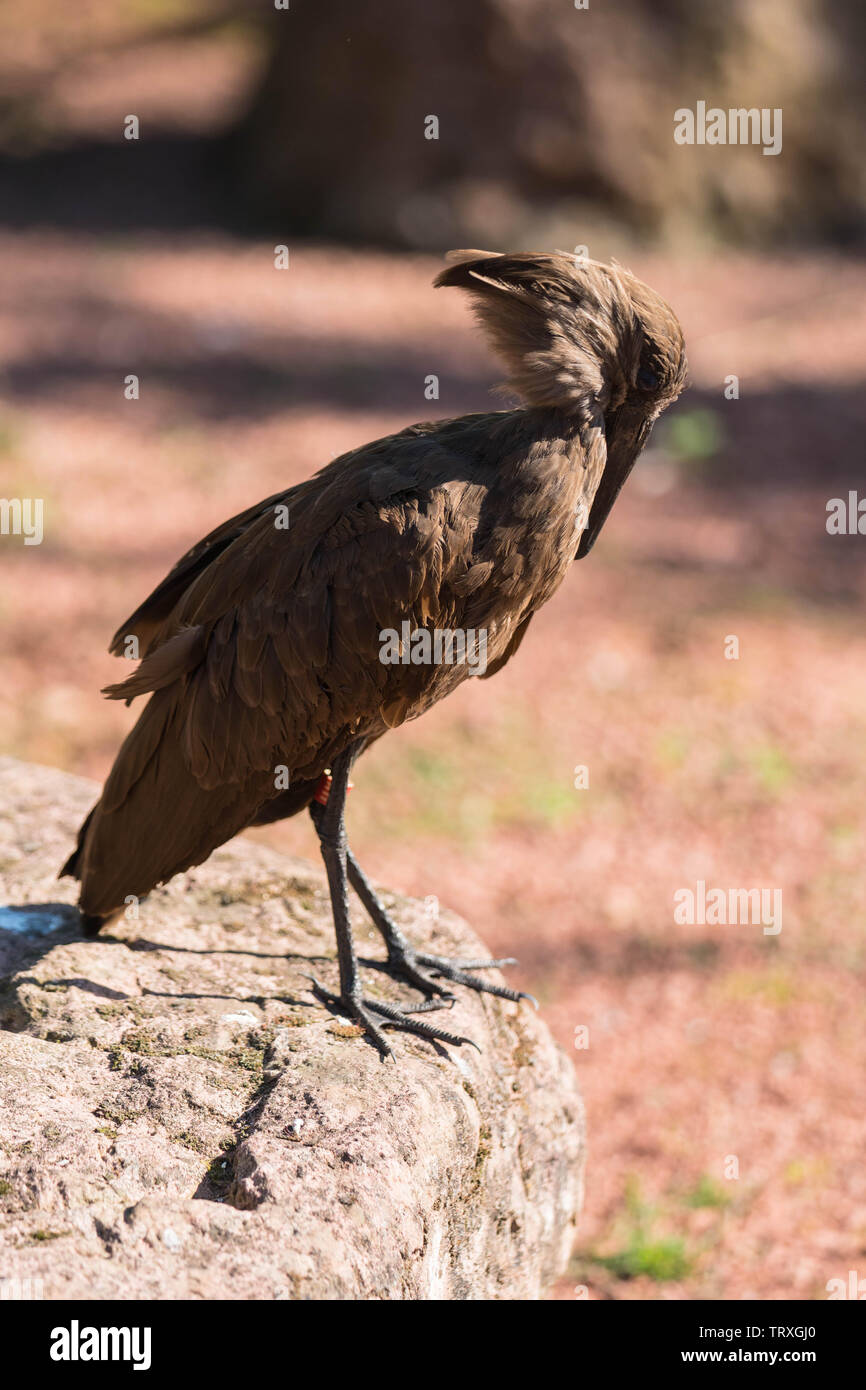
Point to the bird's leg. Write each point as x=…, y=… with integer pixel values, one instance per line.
x=331, y=829
x=402, y=956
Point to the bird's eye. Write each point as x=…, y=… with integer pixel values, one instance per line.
x=647, y=380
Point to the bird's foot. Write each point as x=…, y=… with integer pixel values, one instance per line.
x=360, y=1010
x=413, y=966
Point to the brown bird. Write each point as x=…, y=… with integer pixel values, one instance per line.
x=297, y=633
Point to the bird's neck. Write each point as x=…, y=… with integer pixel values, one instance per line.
x=578, y=436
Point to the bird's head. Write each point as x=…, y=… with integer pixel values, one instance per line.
x=583, y=338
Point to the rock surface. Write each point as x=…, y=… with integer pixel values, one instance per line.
x=181, y=1118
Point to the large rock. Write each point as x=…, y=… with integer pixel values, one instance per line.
x=180, y=1117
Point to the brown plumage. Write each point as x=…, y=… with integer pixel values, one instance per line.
x=261, y=648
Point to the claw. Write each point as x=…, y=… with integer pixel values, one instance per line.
x=359, y=1011
x=456, y=972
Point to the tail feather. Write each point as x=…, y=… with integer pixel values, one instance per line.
x=71, y=869
x=154, y=819
x=162, y=666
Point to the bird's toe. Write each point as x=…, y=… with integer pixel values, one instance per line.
x=361, y=1010
x=458, y=972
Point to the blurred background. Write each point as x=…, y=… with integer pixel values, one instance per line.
x=306, y=127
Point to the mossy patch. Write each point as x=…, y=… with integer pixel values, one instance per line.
x=134, y=1045
x=706, y=1193
x=345, y=1030
x=664, y=1259
x=190, y=1141
x=644, y=1251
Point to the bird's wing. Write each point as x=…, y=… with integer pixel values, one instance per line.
x=517, y=638
x=151, y=623
x=146, y=623
x=274, y=649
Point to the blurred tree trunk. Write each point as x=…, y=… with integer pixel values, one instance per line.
x=549, y=118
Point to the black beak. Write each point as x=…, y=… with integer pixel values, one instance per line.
x=627, y=433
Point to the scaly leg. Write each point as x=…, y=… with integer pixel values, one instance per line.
x=331, y=828
x=403, y=957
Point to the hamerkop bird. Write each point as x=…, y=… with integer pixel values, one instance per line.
x=263, y=648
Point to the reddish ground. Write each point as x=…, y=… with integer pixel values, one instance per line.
x=724, y=1072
